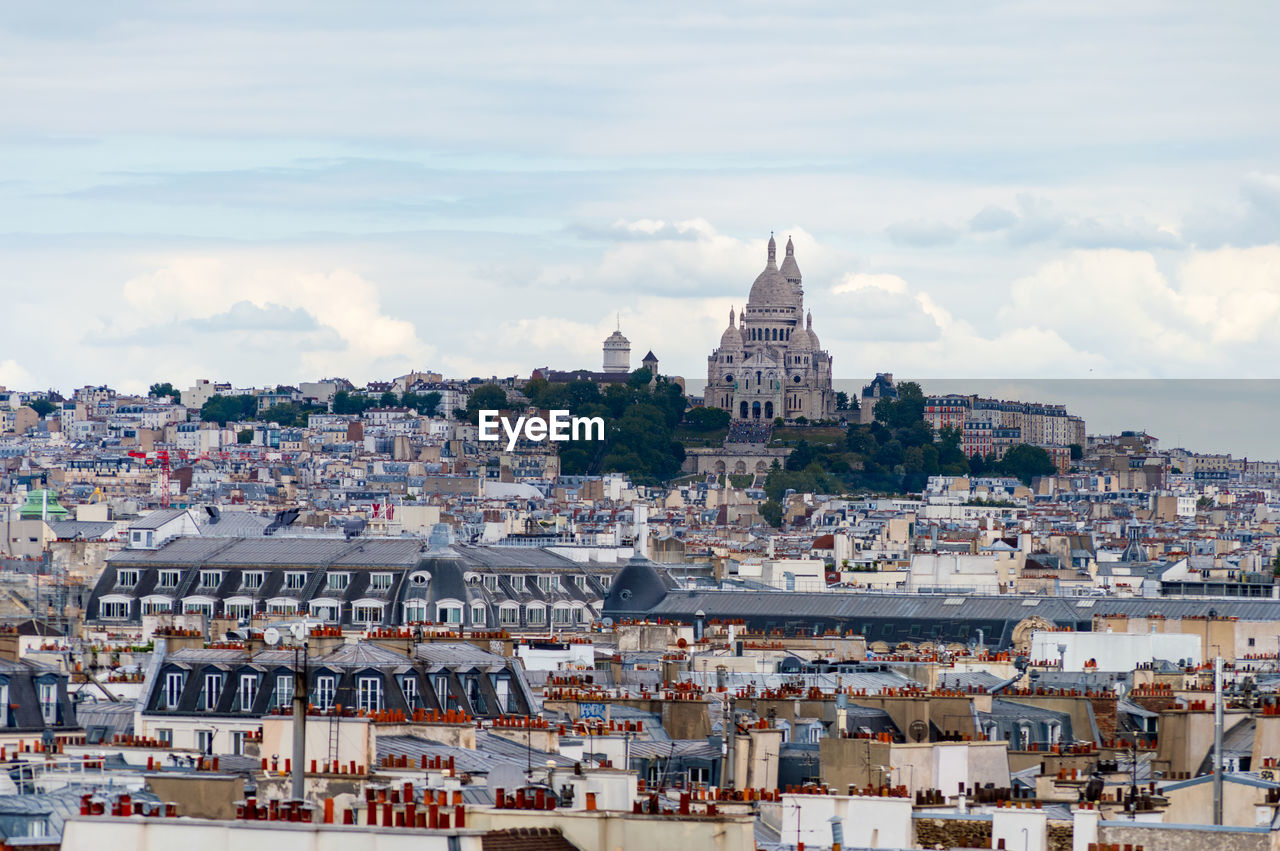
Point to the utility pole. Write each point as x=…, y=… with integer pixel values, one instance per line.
x=299, y=719
x=1217, y=740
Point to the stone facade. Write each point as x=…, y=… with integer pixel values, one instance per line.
x=770, y=364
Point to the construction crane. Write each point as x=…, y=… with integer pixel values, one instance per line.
x=161, y=457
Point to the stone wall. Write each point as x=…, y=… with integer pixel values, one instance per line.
x=1161, y=837
x=953, y=832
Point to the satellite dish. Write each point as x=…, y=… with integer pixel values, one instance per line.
x=271, y=636
x=919, y=730
x=607, y=622
x=298, y=631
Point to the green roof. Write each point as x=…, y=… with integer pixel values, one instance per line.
x=36, y=506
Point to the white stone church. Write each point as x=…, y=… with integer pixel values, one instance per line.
x=770, y=364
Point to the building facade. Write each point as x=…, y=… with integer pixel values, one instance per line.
x=770, y=364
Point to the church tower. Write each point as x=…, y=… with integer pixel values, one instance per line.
x=617, y=352
x=770, y=365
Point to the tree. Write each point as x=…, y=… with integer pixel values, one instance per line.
x=244, y=435
x=771, y=511
x=1025, y=462
x=707, y=419
x=1077, y=451
x=42, y=407
x=486, y=397
x=286, y=415
x=842, y=400
x=222, y=409
x=165, y=389
x=388, y=400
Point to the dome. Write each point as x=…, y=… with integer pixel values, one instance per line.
x=636, y=588
x=813, y=338
x=801, y=340
x=732, y=337
x=771, y=288
x=789, y=269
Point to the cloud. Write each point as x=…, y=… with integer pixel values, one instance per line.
x=1037, y=221
x=922, y=234
x=314, y=322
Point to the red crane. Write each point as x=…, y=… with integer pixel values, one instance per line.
x=161, y=457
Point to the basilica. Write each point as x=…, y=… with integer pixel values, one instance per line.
x=769, y=363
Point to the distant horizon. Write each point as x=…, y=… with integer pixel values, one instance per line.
x=1186, y=413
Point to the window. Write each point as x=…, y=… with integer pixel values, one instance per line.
x=415, y=611
x=369, y=694
x=284, y=690
x=212, y=691
x=366, y=614
x=506, y=701
x=239, y=611
x=237, y=742
x=409, y=685
x=156, y=607
x=448, y=613
x=114, y=611
x=252, y=580
x=491, y=581
x=282, y=607
x=324, y=693
x=197, y=607
x=562, y=615
x=165, y=736
x=167, y=579
x=49, y=702
x=536, y=615
x=477, y=615
x=581, y=582
x=204, y=741
x=126, y=578
x=443, y=694
x=417, y=579
x=338, y=581
x=210, y=578
x=248, y=692
x=380, y=582
x=295, y=581
x=325, y=611
x=547, y=584
x=173, y=683
x=509, y=616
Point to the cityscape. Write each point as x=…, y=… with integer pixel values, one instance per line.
x=566, y=428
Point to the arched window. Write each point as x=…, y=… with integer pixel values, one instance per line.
x=743, y=409
x=755, y=410
x=768, y=410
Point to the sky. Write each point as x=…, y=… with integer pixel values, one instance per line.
x=270, y=193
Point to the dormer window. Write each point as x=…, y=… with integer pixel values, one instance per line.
x=251, y=580
x=338, y=581
x=126, y=578
x=295, y=581
x=167, y=579
x=380, y=582
x=210, y=578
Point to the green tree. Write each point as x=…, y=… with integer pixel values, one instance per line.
x=287, y=415
x=42, y=407
x=842, y=400
x=244, y=435
x=165, y=389
x=707, y=419
x=1025, y=462
x=388, y=400
x=1077, y=451
x=222, y=409
x=771, y=511
x=486, y=397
